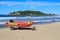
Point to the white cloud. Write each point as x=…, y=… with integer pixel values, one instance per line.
x=31, y=3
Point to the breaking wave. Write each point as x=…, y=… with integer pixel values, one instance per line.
x=4, y=18
x=33, y=21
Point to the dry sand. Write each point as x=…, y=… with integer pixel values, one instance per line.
x=43, y=32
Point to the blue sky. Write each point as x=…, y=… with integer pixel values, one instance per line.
x=46, y=6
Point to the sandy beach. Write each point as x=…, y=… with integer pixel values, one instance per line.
x=43, y=32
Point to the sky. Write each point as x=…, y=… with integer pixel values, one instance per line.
x=46, y=6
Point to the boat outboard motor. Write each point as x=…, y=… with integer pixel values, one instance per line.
x=11, y=20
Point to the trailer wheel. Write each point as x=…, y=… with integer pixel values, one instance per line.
x=11, y=28
x=34, y=28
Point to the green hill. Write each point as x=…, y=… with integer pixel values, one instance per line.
x=29, y=13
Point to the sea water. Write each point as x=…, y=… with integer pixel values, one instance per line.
x=35, y=19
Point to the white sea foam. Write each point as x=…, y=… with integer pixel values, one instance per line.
x=3, y=18
x=2, y=22
x=43, y=21
x=36, y=21
x=7, y=18
x=38, y=17
x=33, y=21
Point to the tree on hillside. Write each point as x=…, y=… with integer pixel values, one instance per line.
x=29, y=13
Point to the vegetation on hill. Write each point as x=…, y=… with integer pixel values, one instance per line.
x=29, y=13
